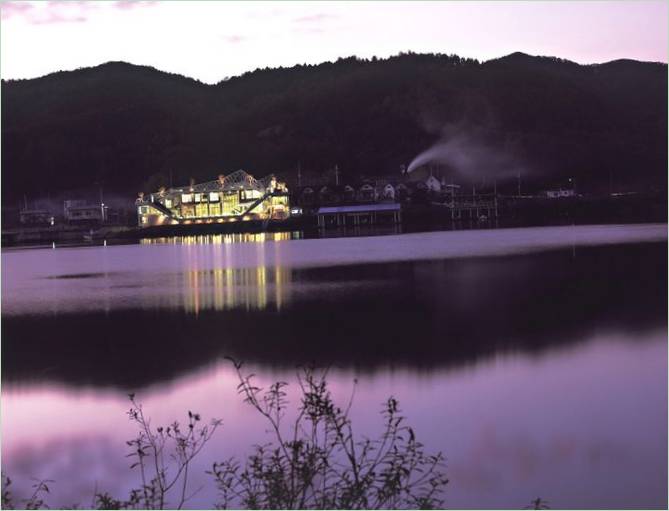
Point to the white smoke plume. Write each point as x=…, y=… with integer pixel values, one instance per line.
x=466, y=152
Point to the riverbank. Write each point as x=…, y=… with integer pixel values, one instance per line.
x=512, y=212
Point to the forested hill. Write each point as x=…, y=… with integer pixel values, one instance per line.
x=130, y=127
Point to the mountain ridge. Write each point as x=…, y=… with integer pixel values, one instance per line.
x=510, y=56
x=132, y=126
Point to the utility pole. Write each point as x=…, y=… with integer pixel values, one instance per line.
x=495, y=187
x=102, y=205
x=518, y=183
x=336, y=175
x=299, y=175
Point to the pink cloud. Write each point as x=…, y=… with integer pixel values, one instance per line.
x=62, y=11
x=131, y=4
x=314, y=18
x=233, y=38
x=9, y=9
x=56, y=11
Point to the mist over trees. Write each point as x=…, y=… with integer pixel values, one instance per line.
x=135, y=128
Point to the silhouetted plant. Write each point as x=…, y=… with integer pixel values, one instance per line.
x=318, y=462
x=35, y=501
x=7, y=499
x=538, y=503
x=163, y=457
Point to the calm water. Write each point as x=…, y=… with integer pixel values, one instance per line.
x=535, y=359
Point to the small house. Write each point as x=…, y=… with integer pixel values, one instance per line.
x=559, y=193
x=433, y=184
x=36, y=217
x=366, y=193
x=81, y=212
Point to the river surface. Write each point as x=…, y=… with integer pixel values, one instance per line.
x=535, y=359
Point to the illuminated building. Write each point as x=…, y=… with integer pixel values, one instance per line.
x=238, y=196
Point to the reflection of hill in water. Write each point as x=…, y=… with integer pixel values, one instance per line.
x=426, y=314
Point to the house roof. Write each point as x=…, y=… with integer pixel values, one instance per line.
x=34, y=212
x=236, y=181
x=363, y=208
x=84, y=207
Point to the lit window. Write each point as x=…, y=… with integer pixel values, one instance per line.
x=168, y=203
x=198, y=197
x=186, y=197
x=213, y=197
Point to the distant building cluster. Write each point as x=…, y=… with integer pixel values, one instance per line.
x=381, y=189
x=75, y=212
x=560, y=193
x=379, y=199
x=326, y=196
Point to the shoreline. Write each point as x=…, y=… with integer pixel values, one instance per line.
x=514, y=212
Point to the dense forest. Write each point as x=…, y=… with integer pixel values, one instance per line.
x=131, y=127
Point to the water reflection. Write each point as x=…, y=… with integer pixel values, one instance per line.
x=422, y=314
x=217, y=239
x=230, y=288
x=526, y=369
x=218, y=284
x=215, y=282
x=568, y=425
x=173, y=274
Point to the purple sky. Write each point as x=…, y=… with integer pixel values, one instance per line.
x=212, y=40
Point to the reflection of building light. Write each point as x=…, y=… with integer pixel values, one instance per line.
x=261, y=285
x=278, y=287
